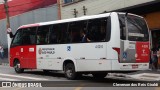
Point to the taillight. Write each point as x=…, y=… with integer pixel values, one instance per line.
x=118, y=51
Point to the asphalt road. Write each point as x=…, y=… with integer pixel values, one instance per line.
x=57, y=81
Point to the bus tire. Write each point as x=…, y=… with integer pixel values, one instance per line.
x=70, y=72
x=17, y=67
x=99, y=75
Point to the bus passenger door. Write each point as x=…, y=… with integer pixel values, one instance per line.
x=28, y=53
x=28, y=49
x=16, y=50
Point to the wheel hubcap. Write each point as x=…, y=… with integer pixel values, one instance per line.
x=69, y=73
x=17, y=67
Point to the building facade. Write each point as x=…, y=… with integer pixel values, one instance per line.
x=146, y=8
x=91, y=7
x=23, y=12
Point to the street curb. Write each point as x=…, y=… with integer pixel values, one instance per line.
x=4, y=64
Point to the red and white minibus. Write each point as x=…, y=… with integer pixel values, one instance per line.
x=97, y=44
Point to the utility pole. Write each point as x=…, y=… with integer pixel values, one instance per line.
x=9, y=31
x=84, y=10
x=7, y=13
x=59, y=9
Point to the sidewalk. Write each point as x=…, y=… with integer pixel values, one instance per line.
x=146, y=75
x=4, y=61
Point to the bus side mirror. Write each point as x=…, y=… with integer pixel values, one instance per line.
x=11, y=35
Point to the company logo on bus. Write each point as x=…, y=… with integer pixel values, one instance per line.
x=142, y=51
x=43, y=51
x=40, y=51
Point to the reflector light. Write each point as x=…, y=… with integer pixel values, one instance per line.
x=118, y=51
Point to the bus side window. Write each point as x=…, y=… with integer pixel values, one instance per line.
x=75, y=29
x=97, y=29
x=54, y=34
x=122, y=27
x=29, y=36
x=43, y=35
x=26, y=39
x=17, y=40
x=64, y=37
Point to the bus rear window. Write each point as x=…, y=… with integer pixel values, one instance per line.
x=137, y=29
x=133, y=28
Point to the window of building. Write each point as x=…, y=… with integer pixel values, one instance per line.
x=70, y=1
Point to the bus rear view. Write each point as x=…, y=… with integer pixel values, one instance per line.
x=134, y=43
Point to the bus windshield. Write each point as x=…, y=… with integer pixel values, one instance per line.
x=133, y=28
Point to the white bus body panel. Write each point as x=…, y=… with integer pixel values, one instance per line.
x=114, y=39
x=86, y=57
x=114, y=42
x=116, y=66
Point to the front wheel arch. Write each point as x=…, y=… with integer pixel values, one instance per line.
x=66, y=61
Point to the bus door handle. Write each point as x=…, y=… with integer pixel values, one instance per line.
x=59, y=58
x=21, y=50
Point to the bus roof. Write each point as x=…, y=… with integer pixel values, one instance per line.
x=65, y=20
x=72, y=19
x=76, y=19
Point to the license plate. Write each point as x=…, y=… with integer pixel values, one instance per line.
x=134, y=66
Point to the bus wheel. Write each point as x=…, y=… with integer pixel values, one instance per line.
x=17, y=67
x=99, y=75
x=70, y=71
